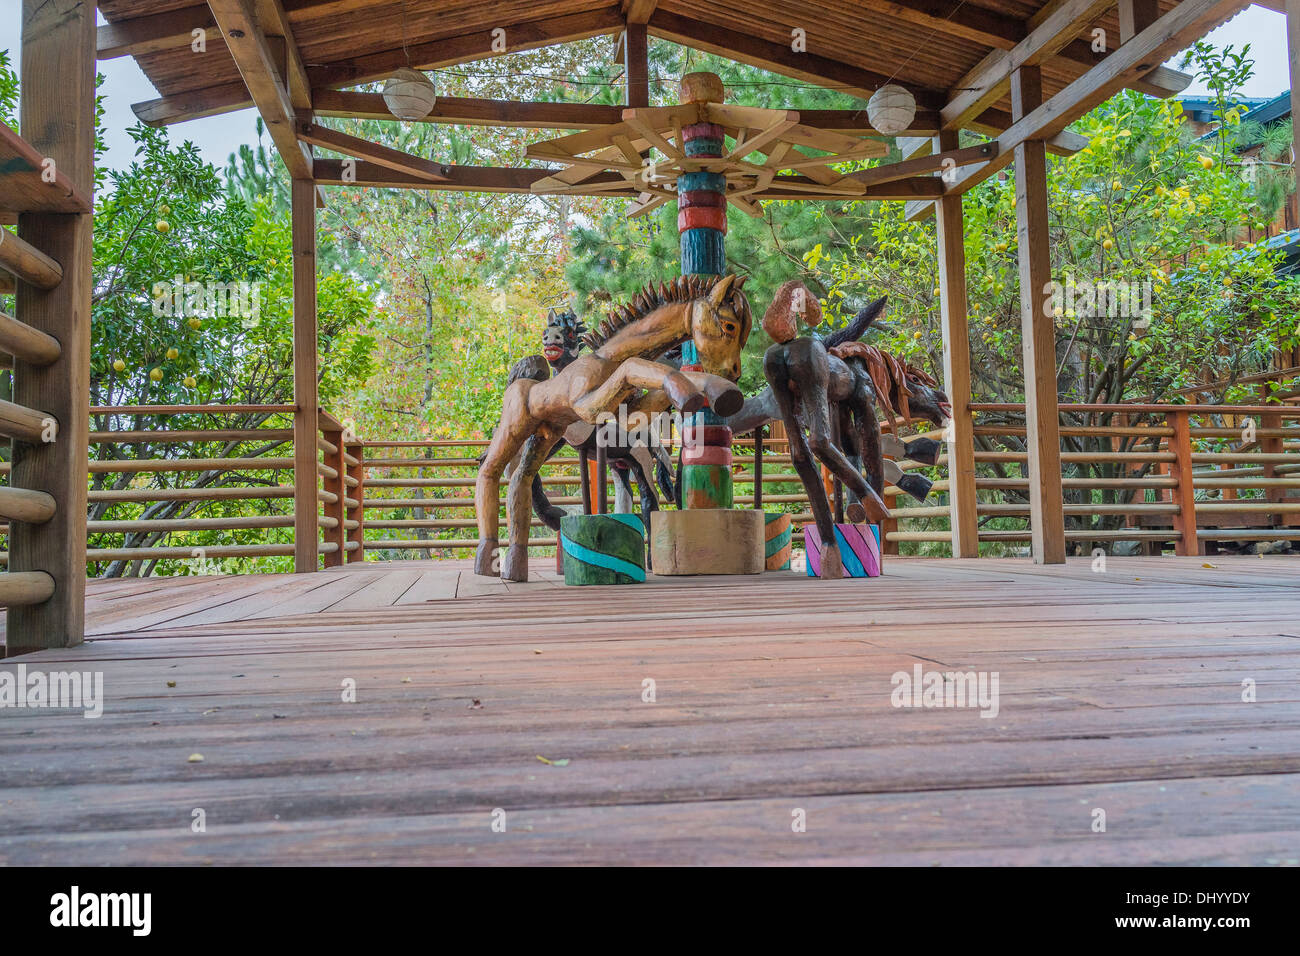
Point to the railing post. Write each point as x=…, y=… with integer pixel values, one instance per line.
x=306, y=507
x=57, y=117
x=890, y=525
x=1184, y=494
x=356, y=514
x=333, y=481
x=963, y=514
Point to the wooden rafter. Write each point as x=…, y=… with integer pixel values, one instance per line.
x=467, y=47
x=247, y=42
x=1168, y=35
x=330, y=172
x=359, y=148
x=987, y=83
x=777, y=57
x=152, y=33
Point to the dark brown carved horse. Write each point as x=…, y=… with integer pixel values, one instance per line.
x=808, y=383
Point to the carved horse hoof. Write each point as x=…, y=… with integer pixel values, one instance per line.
x=855, y=512
x=487, y=558
x=685, y=397
x=923, y=451
x=515, y=566
x=832, y=566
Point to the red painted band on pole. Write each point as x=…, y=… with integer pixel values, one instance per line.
x=702, y=217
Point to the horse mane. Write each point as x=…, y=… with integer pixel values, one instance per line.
x=681, y=289
x=887, y=371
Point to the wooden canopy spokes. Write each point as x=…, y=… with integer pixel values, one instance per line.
x=786, y=145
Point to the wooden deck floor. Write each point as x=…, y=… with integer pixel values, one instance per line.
x=1119, y=691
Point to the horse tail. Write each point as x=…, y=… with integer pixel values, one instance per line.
x=858, y=327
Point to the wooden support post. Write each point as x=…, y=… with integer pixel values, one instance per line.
x=1272, y=446
x=956, y=368
x=1038, y=331
x=57, y=117
x=602, y=480
x=1184, y=495
x=356, y=513
x=584, y=479
x=336, y=484
x=306, y=550
x=636, y=65
x=890, y=525
x=758, y=467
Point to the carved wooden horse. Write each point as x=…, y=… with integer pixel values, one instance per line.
x=710, y=311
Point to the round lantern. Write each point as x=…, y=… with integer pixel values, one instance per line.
x=891, y=109
x=409, y=94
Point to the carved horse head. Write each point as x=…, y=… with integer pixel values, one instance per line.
x=710, y=311
x=903, y=390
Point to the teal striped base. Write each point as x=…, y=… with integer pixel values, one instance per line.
x=603, y=549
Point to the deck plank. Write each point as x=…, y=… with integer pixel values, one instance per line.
x=1120, y=690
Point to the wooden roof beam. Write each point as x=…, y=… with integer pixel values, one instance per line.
x=385, y=156
x=257, y=65
x=468, y=47
x=638, y=11
x=275, y=22
x=1188, y=21
x=778, y=57
x=152, y=33
x=329, y=172
x=1058, y=24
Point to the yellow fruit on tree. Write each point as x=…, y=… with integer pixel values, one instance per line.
x=173, y=353
x=1207, y=162
x=119, y=365
x=190, y=381
x=162, y=225
x=156, y=374
x=196, y=323
x=164, y=209
x=1108, y=244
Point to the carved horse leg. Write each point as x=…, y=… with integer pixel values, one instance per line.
x=811, y=357
x=776, y=366
x=515, y=427
x=519, y=505
x=635, y=373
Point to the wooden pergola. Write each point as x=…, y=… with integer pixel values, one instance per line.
x=1017, y=71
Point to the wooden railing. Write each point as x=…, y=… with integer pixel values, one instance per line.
x=217, y=482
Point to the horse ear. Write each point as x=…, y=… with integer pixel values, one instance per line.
x=721, y=290
x=550, y=316
x=740, y=282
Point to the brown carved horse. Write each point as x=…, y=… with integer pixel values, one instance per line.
x=710, y=311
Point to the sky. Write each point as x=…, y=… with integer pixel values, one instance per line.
x=218, y=136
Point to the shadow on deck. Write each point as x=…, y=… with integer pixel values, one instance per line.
x=1119, y=691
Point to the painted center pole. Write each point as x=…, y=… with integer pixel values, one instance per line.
x=702, y=230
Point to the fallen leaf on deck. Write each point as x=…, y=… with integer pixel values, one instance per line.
x=171, y=683
x=554, y=763
x=195, y=758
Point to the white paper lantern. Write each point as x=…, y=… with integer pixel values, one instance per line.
x=409, y=94
x=891, y=109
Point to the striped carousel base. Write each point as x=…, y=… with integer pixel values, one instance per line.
x=859, y=549
x=603, y=549
x=777, y=530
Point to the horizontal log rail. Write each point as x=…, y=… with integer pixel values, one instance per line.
x=1133, y=474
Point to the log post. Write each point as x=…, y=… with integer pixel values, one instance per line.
x=956, y=370
x=57, y=114
x=1038, y=331
x=1184, y=494
x=334, y=481
x=356, y=468
x=306, y=550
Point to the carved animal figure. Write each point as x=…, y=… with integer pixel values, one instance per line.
x=710, y=311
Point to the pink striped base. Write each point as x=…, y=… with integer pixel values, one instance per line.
x=859, y=549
